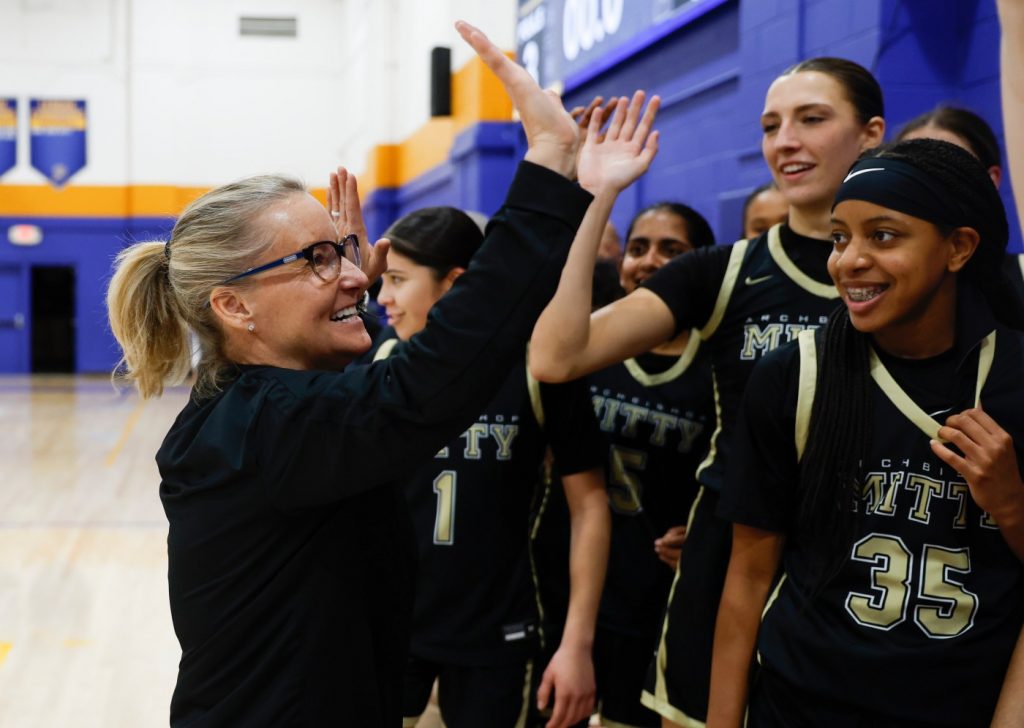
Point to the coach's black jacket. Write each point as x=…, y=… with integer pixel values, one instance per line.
x=290, y=551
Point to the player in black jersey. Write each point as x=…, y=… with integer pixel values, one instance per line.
x=473, y=631
x=745, y=299
x=657, y=413
x=475, y=619
x=879, y=465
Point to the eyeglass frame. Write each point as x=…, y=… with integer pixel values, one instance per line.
x=349, y=240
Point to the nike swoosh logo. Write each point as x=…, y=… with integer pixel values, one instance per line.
x=936, y=413
x=851, y=175
x=754, y=281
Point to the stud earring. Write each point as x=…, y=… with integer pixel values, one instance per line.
x=251, y=327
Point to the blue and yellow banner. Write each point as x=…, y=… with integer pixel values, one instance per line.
x=57, y=128
x=8, y=134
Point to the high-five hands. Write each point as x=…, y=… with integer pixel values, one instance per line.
x=551, y=133
x=611, y=161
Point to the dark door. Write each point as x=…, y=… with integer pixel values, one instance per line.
x=53, y=319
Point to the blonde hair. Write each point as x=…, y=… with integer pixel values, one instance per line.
x=159, y=292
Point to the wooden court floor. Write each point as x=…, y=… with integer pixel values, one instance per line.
x=85, y=629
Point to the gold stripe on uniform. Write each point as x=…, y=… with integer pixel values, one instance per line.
x=908, y=407
x=768, y=605
x=527, y=689
x=822, y=290
x=533, y=387
x=805, y=391
x=659, y=701
x=713, y=445
x=385, y=349
x=732, y=272
x=673, y=372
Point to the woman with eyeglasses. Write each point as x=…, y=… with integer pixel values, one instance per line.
x=290, y=550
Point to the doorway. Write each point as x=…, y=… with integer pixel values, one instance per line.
x=53, y=319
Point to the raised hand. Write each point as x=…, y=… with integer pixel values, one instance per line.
x=552, y=135
x=583, y=114
x=610, y=162
x=347, y=214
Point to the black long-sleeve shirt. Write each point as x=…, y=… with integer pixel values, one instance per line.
x=290, y=550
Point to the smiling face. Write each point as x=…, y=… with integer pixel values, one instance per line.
x=408, y=292
x=301, y=321
x=811, y=136
x=897, y=275
x=657, y=237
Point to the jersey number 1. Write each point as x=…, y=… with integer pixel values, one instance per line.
x=444, y=521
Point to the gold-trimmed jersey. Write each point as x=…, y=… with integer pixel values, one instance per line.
x=772, y=288
x=657, y=414
x=475, y=599
x=919, y=624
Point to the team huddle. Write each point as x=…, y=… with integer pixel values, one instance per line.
x=770, y=483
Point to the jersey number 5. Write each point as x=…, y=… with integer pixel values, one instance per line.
x=947, y=610
x=623, y=485
x=444, y=521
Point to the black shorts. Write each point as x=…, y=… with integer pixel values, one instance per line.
x=468, y=696
x=620, y=664
x=776, y=703
x=679, y=678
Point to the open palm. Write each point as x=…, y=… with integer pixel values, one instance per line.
x=612, y=161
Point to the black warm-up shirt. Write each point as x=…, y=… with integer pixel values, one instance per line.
x=290, y=550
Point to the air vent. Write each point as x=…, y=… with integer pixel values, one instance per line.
x=275, y=27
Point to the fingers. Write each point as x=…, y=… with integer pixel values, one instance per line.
x=948, y=456
x=376, y=262
x=510, y=74
x=650, y=149
x=350, y=208
x=544, y=691
x=644, y=128
x=618, y=119
x=636, y=105
x=558, y=714
x=594, y=127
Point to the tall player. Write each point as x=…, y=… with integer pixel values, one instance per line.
x=878, y=463
x=745, y=299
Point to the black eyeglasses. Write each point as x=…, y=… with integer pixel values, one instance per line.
x=323, y=257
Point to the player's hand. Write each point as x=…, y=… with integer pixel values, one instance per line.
x=610, y=162
x=552, y=135
x=347, y=214
x=570, y=674
x=989, y=462
x=583, y=114
x=668, y=546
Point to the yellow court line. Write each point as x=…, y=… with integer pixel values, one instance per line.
x=5, y=647
x=133, y=419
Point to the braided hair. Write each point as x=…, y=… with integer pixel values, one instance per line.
x=841, y=413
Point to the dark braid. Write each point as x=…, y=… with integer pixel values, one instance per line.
x=841, y=415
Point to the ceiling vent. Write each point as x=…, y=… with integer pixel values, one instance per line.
x=273, y=27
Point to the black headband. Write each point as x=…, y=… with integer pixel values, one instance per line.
x=902, y=187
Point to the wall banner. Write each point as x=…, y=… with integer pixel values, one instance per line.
x=57, y=129
x=563, y=43
x=8, y=134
